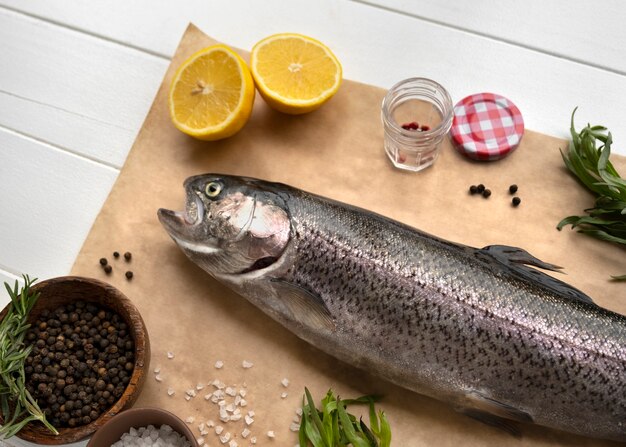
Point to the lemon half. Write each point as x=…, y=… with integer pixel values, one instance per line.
x=212, y=94
x=294, y=73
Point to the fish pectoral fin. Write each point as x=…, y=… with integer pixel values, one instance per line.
x=517, y=261
x=494, y=421
x=305, y=306
x=493, y=412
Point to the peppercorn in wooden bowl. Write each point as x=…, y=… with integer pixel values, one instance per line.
x=90, y=352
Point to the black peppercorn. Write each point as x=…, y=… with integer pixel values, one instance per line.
x=473, y=189
x=516, y=201
x=480, y=188
x=129, y=275
x=486, y=193
x=108, y=269
x=103, y=261
x=116, y=254
x=127, y=256
x=513, y=189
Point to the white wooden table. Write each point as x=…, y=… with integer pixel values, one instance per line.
x=77, y=79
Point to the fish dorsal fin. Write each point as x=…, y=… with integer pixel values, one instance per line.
x=305, y=306
x=518, y=260
x=489, y=411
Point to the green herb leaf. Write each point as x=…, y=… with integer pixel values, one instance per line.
x=17, y=405
x=333, y=426
x=588, y=158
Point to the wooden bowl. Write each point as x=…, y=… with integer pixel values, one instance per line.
x=64, y=290
x=113, y=430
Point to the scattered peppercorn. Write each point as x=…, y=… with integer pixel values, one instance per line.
x=127, y=256
x=473, y=189
x=516, y=201
x=129, y=275
x=70, y=376
x=108, y=269
x=513, y=189
x=116, y=254
x=103, y=261
x=480, y=188
x=486, y=193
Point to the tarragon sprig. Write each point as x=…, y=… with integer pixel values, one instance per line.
x=17, y=405
x=588, y=159
x=333, y=426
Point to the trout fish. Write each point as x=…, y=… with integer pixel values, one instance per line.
x=482, y=329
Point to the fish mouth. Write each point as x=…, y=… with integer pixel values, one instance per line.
x=181, y=225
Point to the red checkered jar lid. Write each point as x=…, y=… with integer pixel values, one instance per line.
x=486, y=126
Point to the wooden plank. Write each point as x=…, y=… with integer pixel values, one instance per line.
x=73, y=90
x=387, y=47
x=574, y=29
x=49, y=200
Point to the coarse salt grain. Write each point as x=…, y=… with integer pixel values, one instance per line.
x=191, y=392
x=218, y=384
x=294, y=426
x=243, y=403
x=219, y=364
x=253, y=440
x=208, y=396
x=219, y=429
x=235, y=417
x=190, y=419
x=296, y=418
x=170, y=391
x=283, y=395
x=242, y=392
x=158, y=378
x=246, y=364
x=199, y=386
x=232, y=443
x=251, y=413
x=299, y=411
x=201, y=426
x=225, y=437
x=230, y=391
x=157, y=370
x=170, y=355
x=200, y=441
x=210, y=423
x=248, y=420
x=187, y=398
x=271, y=434
x=245, y=433
x=285, y=382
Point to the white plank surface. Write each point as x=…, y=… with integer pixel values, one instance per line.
x=77, y=78
x=48, y=196
x=590, y=33
x=72, y=90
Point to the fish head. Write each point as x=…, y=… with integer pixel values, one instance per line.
x=231, y=225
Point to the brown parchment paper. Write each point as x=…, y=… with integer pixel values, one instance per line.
x=337, y=152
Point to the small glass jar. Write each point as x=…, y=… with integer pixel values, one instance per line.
x=417, y=114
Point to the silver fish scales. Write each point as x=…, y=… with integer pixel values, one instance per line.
x=477, y=328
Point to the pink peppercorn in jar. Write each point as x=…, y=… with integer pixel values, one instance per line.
x=416, y=114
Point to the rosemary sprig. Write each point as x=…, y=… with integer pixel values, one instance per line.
x=16, y=403
x=588, y=159
x=333, y=426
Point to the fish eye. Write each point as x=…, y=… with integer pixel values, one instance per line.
x=213, y=189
